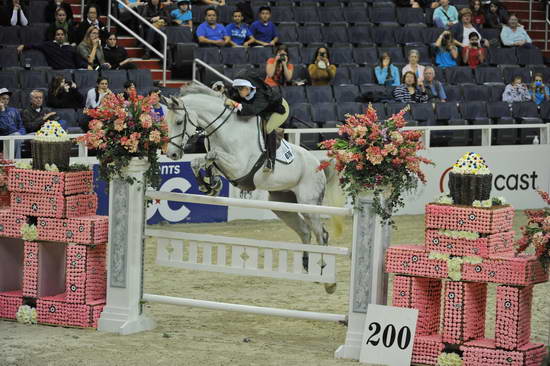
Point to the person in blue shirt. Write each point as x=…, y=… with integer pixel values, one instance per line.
x=514, y=34
x=263, y=30
x=182, y=15
x=210, y=33
x=445, y=16
x=238, y=32
x=446, y=52
x=434, y=88
x=10, y=120
x=386, y=73
x=539, y=91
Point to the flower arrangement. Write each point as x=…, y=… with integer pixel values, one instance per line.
x=454, y=263
x=26, y=315
x=4, y=168
x=449, y=359
x=378, y=156
x=29, y=232
x=537, y=230
x=122, y=129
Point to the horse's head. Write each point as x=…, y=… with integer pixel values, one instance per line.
x=180, y=127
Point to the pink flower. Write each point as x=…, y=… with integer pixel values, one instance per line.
x=396, y=137
x=119, y=125
x=146, y=121
x=154, y=136
x=360, y=166
x=374, y=155
x=95, y=125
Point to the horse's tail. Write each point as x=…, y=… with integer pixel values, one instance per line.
x=334, y=197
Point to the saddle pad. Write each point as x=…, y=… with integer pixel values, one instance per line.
x=284, y=153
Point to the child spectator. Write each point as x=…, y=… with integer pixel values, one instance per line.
x=478, y=16
x=278, y=69
x=210, y=33
x=320, y=71
x=516, y=91
x=445, y=16
x=263, y=30
x=539, y=91
x=446, y=52
x=63, y=94
x=238, y=32
x=386, y=73
x=183, y=15
x=474, y=55
x=410, y=91
x=414, y=66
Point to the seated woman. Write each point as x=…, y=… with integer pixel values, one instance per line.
x=91, y=15
x=95, y=96
x=278, y=69
x=320, y=71
x=539, y=91
x=410, y=91
x=495, y=15
x=446, y=51
x=90, y=49
x=516, y=91
x=117, y=56
x=414, y=66
x=386, y=73
x=61, y=21
x=63, y=94
x=14, y=13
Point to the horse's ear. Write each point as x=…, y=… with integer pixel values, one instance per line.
x=175, y=101
x=167, y=102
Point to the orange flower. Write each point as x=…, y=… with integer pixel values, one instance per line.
x=154, y=136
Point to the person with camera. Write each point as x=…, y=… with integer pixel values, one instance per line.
x=278, y=69
x=64, y=94
x=90, y=49
x=539, y=91
x=36, y=114
x=446, y=52
x=516, y=91
x=386, y=73
x=445, y=16
x=461, y=31
x=410, y=91
x=474, y=55
x=320, y=71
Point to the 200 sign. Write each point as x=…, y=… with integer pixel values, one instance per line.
x=389, y=335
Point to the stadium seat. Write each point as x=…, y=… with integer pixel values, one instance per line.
x=198, y=13
x=343, y=75
x=439, y=73
x=346, y=93
x=431, y=34
x=226, y=13
x=68, y=115
x=396, y=54
x=445, y=111
x=529, y=56
x=404, y=35
x=300, y=72
x=287, y=32
x=394, y=108
x=475, y=112
x=341, y=55
x=502, y=56
x=259, y=55
x=545, y=112
x=167, y=92
x=37, y=13
x=282, y=14
x=310, y=33
x=85, y=79
x=335, y=33
x=300, y=112
x=363, y=75
x=429, y=16
x=459, y=75
x=324, y=112
x=9, y=36
x=239, y=70
x=9, y=79
x=15, y=99
x=476, y=92
x=207, y=77
x=489, y=75
x=331, y=14
x=491, y=34
x=380, y=110
x=210, y=55
x=116, y=78
x=526, y=113
x=355, y=14
x=34, y=33
x=423, y=113
x=9, y=57
x=142, y=78
x=177, y=34
x=306, y=14
x=457, y=137
x=348, y=108
x=375, y=90
x=361, y=34
x=34, y=58
x=454, y=93
x=67, y=74
x=307, y=54
x=234, y=55
x=384, y=35
x=383, y=15
x=410, y=16
x=365, y=55
x=319, y=94
x=501, y=114
x=30, y=79
x=509, y=73
x=294, y=94
x=294, y=55
x=496, y=93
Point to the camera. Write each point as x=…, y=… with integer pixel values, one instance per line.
x=474, y=44
x=447, y=36
x=323, y=54
x=282, y=57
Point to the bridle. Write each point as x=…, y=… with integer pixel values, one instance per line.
x=199, y=131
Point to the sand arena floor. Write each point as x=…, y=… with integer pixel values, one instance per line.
x=188, y=336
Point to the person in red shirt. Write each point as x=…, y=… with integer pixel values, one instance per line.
x=478, y=18
x=278, y=69
x=474, y=54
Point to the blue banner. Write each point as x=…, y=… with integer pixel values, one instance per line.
x=175, y=177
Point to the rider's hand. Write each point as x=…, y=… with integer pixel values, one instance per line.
x=230, y=103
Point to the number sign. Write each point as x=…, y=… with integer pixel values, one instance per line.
x=388, y=336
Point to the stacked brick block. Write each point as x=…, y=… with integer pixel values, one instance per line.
x=452, y=313
x=63, y=271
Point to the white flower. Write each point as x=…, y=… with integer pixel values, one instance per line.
x=51, y=168
x=23, y=165
x=444, y=199
x=26, y=315
x=487, y=203
x=499, y=200
x=476, y=203
x=29, y=232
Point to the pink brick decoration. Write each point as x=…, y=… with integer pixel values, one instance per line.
x=464, y=311
x=423, y=294
x=10, y=223
x=57, y=206
x=54, y=310
x=513, y=316
x=413, y=260
x=10, y=301
x=522, y=270
x=83, y=230
x=467, y=218
x=30, y=269
x=86, y=276
x=44, y=182
x=482, y=352
x=426, y=349
x=499, y=243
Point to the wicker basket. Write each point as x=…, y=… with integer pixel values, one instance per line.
x=467, y=188
x=48, y=152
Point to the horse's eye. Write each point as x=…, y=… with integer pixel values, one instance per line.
x=179, y=123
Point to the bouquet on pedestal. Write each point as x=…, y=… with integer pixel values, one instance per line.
x=123, y=129
x=377, y=156
x=537, y=231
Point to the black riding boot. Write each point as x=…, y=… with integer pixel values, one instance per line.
x=271, y=147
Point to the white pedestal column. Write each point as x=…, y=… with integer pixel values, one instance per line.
x=123, y=312
x=369, y=282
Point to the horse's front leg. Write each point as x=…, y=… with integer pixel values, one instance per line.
x=196, y=166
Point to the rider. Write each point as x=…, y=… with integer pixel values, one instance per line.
x=250, y=96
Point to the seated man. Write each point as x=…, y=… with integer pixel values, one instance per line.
x=263, y=30
x=434, y=88
x=239, y=33
x=59, y=55
x=36, y=114
x=210, y=33
x=251, y=96
x=514, y=34
x=10, y=120
x=445, y=16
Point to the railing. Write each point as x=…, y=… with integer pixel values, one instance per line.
x=546, y=23
x=211, y=69
x=8, y=144
x=162, y=55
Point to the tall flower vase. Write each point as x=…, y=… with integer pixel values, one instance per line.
x=123, y=312
x=368, y=279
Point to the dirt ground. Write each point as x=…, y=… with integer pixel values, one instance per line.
x=188, y=336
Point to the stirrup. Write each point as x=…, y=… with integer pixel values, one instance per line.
x=268, y=167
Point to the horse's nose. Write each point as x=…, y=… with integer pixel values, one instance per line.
x=174, y=155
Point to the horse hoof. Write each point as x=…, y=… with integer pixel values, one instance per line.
x=330, y=288
x=305, y=261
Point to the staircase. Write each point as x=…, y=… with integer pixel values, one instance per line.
x=521, y=9
x=135, y=51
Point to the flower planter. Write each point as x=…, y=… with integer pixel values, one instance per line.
x=467, y=188
x=45, y=182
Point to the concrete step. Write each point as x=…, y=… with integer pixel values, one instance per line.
x=127, y=41
x=157, y=74
x=136, y=52
x=151, y=64
x=514, y=6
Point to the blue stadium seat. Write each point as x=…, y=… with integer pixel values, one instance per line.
x=142, y=78
x=526, y=112
x=331, y=14
x=510, y=72
x=406, y=35
x=396, y=53
x=239, y=70
x=34, y=33
x=343, y=75
x=31, y=79
x=8, y=79
x=210, y=55
x=9, y=57
x=394, y=108
x=496, y=93
x=15, y=99
x=67, y=74
x=500, y=113
x=85, y=79
x=459, y=75
x=198, y=13
x=360, y=34
x=324, y=112
x=354, y=14
x=454, y=93
x=545, y=112
x=294, y=94
x=410, y=16
x=346, y=93
x=489, y=75
x=9, y=36
x=234, y=55
x=116, y=78
x=68, y=115
x=287, y=32
x=34, y=57
x=348, y=108
x=319, y=94
x=282, y=14
x=365, y=55
x=207, y=77
x=306, y=14
x=294, y=55
x=383, y=15
x=502, y=56
x=310, y=33
x=380, y=110
x=491, y=34
x=475, y=112
x=445, y=111
x=431, y=34
x=363, y=75
x=423, y=113
x=384, y=35
x=300, y=112
x=38, y=12
x=307, y=54
x=259, y=55
x=476, y=92
x=341, y=55
x=177, y=34
x=226, y=13
x=335, y=33
x=529, y=56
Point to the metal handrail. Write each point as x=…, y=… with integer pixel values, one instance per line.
x=204, y=64
x=530, y=14
x=143, y=20
x=546, y=23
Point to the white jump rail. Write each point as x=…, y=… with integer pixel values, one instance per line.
x=124, y=314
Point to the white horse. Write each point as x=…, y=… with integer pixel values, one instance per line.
x=234, y=150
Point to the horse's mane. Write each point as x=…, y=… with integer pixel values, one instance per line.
x=196, y=88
